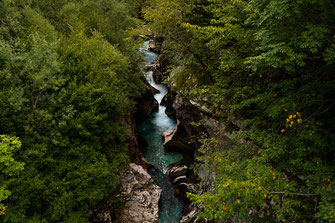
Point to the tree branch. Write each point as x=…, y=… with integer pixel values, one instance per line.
x=297, y=194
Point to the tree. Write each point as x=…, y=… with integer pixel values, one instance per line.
x=8, y=166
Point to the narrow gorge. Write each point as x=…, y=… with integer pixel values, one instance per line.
x=170, y=209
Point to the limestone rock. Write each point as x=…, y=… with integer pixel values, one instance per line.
x=139, y=195
x=152, y=45
x=146, y=103
x=157, y=73
x=192, y=216
x=187, y=114
x=179, y=180
x=167, y=101
x=177, y=139
x=182, y=189
x=178, y=171
x=134, y=153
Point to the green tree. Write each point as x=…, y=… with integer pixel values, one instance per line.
x=8, y=166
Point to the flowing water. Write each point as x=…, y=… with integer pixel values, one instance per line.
x=170, y=209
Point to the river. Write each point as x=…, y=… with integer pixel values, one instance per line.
x=170, y=209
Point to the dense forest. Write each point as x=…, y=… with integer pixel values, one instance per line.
x=68, y=76
x=265, y=69
x=70, y=72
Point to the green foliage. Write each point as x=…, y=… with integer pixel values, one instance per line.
x=8, y=166
x=265, y=68
x=69, y=75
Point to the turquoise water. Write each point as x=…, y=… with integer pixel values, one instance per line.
x=170, y=209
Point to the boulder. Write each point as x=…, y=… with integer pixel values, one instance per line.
x=177, y=139
x=178, y=171
x=167, y=101
x=157, y=73
x=152, y=45
x=139, y=195
x=179, y=180
x=154, y=90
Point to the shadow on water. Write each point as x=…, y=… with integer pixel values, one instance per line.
x=170, y=209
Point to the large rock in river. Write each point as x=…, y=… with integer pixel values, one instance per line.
x=139, y=195
x=177, y=139
x=177, y=171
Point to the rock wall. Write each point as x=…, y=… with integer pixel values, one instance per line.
x=139, y=195
x=134, y=153
x=146, y=103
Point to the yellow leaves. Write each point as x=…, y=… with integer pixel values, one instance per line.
x=294, y=117
x=238, y=201
x=283, y=130
x=2, y=209
x=259, y=188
